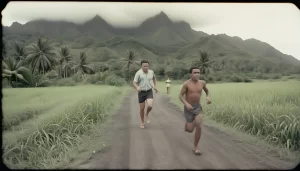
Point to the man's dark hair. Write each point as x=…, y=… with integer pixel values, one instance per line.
x=192, y=68
x=144, y=61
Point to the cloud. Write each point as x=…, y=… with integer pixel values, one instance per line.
x=277, y=24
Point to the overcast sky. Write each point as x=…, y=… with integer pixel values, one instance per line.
x=277, y=24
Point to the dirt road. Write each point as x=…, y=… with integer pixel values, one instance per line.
x=163, y=144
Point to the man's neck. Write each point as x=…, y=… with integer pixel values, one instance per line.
x=144, y=71
x=194, y=81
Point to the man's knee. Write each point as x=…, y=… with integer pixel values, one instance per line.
x=149, y=107
x=198, y=120
x=189, y=127
x=149, y=103
x=142, y=107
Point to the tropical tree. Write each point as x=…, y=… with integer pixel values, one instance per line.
x=41, y=56
x=83, y=66
x=65, y=61
x=18, y=51
x=12, y=70
x=204, y=63
x=131, y=59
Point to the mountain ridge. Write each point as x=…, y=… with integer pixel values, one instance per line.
x=158, y=32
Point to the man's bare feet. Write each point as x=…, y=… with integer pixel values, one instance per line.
x=148, y=119
x=197, y=152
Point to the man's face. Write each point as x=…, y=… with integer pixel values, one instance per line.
x=145, y=67
x=195, y=74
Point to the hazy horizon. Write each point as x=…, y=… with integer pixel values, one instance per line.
x=273, y=23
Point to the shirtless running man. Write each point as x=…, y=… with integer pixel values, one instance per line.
x=192, y=90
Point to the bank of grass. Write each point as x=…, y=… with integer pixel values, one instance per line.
x=269, y=110
x=51, y=139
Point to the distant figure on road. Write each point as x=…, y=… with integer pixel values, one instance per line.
x=168, y=85
x=192, y=90
x=144, y=81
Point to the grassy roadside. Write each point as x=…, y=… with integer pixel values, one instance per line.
x=233, y=103
x=97, y=140
x=53, y=139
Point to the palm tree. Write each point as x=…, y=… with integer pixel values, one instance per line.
x=130, y=60
x=65, y=61
x=12, y=70
x=41, y=57
x=67, y=67
x=18, y=51
x=204, y=63
x=83, y=66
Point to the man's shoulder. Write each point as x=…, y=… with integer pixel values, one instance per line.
x=138, y=71
x=202, y=82
x=186, y=82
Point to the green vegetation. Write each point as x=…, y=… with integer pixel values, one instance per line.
x=45, y=131
x=157, y=39
x=44, y=127
x=269, y=110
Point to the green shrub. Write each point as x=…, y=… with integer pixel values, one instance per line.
x=51, y=74
x=100, y=83
x=236, y=78
x=115, y=80
x=77, y=77
x=46, y=83
x=210, y=79
x=260, y=76
x=203, y=77
x=275, y=77
x=65, y=82
x=247, y=80
x=218, y=78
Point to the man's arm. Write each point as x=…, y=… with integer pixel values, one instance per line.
x=154, y=80
x=205, y=89
x=135, y=80
x=208, y=101
x=182, y=93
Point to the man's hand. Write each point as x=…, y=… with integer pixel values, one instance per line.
x=208, y=101
x=188, y=106
x=155, y=89
x=138, y=89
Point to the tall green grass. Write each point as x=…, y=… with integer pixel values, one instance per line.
x=48, y=141
x=270, y=110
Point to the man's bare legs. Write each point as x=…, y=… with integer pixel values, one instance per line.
x=189, y=127
x=198, y=125
x=149, y=108
x=142, y=108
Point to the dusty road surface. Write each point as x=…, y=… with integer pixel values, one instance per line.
x=163, y=144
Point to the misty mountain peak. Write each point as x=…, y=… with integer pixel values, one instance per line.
x=97, y=18
x=162, y=16
x=16, y=24
x=96, y=21
x=156, y=22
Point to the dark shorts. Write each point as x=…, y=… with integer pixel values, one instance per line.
x=190, y=115
x=144, y=95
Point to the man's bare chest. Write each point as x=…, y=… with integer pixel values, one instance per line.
x=195, y=88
